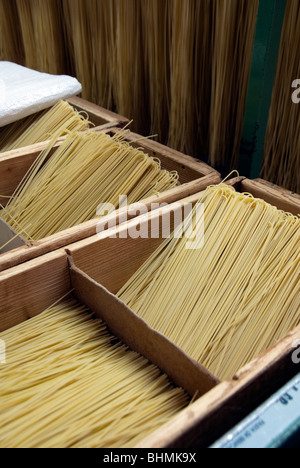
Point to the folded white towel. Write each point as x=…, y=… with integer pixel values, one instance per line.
x=24, y=92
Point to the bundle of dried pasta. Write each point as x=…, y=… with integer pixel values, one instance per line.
x=228, y=301
x=86, y=170
x=54, y=123
x=282, y=145
x=188, y=63
x=69, y=383
x=43, y=35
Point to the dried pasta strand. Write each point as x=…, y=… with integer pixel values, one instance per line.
x=156, y=27
x=282, y=146
x=234, y=31
x=225, y=303
x=86, y=170
x=183, y=116
x=128, y=64
x=78, y=38
x=43, y=35
x=68, y=383
x=179, y=69
x=11, y=43
x=54, y=123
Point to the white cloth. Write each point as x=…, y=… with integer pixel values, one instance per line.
x=24, y=92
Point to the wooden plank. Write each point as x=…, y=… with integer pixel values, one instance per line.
x=271, y=195
x=98, y=115
x=28, y=289
x=278, y=188
x=184, y=371
x=85, y=230
x=223, y=407
x=196, y=176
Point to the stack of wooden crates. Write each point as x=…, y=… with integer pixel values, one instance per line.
x=34, y=276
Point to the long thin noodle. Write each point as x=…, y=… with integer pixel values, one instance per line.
x=11, y=42
x=43, y=35
x=282, y=146
x=68, y=383
x=85, y=171
x=54, y=123
x=179, y=69
x=227, y=302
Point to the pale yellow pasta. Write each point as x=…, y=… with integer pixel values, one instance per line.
x=69, y=383
x=51, y=124
x=85, y=171
x=230, y=300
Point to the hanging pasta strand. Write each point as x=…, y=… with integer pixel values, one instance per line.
x=282, y=147
x=157, y=38
x=86, y=170
x=235, y=22
x=178, y=69
x=27, y=28
x=129, y=75
x=68, y=383
x=204, y=43
x=11, y=44
x=227, y=302
x=43, y=35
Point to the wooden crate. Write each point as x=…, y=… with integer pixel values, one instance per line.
x=220, y=409
x=15, y=164
x=107, y=263
x=29, y=289
x=194, y=176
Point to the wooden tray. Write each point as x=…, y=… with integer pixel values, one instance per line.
x=26, y=290
x=194, y=176
x=224, y=406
